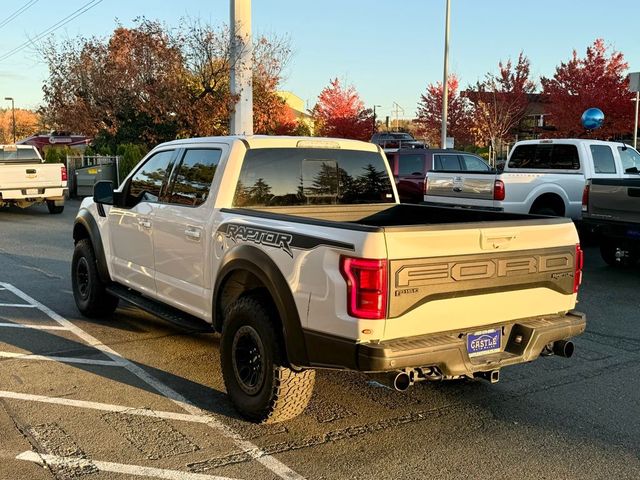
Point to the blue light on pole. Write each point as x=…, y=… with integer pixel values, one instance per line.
x=592, y=118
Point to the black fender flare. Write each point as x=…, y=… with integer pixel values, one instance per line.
x=85, y=221
x=258, y=263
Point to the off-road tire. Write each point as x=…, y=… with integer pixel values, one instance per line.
x=279, y=393
x=53, y=208
x=89, y=291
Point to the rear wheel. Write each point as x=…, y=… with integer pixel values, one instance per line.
x=260, y=385
x=53, y=208
x=615, y=256
x=544, y=211
x=89, y=291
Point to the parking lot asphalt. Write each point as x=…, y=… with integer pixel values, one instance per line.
x=134, y=396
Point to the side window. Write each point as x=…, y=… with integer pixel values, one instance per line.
x=474, y=164
x=193, y=177
x=146, y=184
x=630, y=160
x=447, y=162
x=410, y=164
x=602, y=159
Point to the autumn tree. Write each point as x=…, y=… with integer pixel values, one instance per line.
x=339, y=112
x=500, y=101
x=27, y=123
x=429, y=114
x=595, y=80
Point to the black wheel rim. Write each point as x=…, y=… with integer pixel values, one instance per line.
x=82, y=277
x=248, y=359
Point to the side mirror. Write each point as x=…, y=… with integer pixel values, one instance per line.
x=103, y=192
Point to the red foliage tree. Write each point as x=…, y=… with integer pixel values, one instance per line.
x=458, y=117
x=500, y=101
x=339, y=112
x=597, y=80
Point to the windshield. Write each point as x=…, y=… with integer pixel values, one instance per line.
x=630, y=159
x=307, y=176
x=402, y=136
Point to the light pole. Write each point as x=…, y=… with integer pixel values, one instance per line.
x=634, y=86
x=445, y=86
x=374, y=118
x=13, y=115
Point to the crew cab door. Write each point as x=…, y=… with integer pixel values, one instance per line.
x=182, y=231
x=131, y=227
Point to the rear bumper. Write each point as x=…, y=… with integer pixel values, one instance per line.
x=522, y=341
x=43, y=193
x=448, y=352
x=457, y=205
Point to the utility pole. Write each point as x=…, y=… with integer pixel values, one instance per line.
x=634, y=86
x=397, y=111
x=635, y=127
x=13, y=115
x=445, y=77
x=374, y=119
x=241, y=68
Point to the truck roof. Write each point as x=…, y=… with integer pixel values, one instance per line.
x=572, y=141
x=272, y=141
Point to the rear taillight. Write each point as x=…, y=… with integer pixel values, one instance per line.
x=63, y=173
x=577, y=278
x=498, y=190
x=366, y=287
x=585, y=198
x=426, y=184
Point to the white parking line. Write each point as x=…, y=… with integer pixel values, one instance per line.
x=268, y=461
x=105, y=407
x=137, y=470
x=32, y=326
x=49, y=358
x=16, y=305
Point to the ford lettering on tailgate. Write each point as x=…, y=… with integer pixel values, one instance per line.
x=417, y=281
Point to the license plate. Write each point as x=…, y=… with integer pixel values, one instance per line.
x=481, y=343
x=32, y=191
x=92, y=171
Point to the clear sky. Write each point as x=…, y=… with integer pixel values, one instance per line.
x=389, y=50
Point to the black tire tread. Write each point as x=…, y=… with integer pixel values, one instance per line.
x=291, y=390
x=53, y=208
x=100, y=304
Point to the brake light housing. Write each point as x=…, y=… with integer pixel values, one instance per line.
x=577, y=277
x=585, y=198
x=498, y=190
x=63, y=173
x=367, y=287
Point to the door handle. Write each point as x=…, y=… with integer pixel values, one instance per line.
x=144, y=222
x=193, y=233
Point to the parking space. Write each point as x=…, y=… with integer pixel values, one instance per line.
x=134, y=396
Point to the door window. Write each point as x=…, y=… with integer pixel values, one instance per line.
x=411, y=164
x=146, y=184
x=474, y=164
x=602, y=159
x=447, y=162
x=630, y=160
x=193, y=177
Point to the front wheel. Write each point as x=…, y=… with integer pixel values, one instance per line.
x=53, y=208
x=89, y=292
x=259, y=384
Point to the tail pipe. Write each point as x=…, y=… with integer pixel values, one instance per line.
x=398, y=380
x=563, y=348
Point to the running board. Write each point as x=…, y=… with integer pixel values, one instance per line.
x=165, y=312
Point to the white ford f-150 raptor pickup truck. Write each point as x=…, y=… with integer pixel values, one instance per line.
x=26, y=180
x=297, y=250
x=545, y=177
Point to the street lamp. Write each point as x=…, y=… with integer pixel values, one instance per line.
x=445, y=77
x=13, y=114
x=374, y=118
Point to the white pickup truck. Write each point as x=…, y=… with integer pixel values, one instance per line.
x=545, y=177
x=26, y=180
x=297, y=250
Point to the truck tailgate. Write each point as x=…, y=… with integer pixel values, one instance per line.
x=30, y=175
x=615, y=199
x=500, y=271
x=460, y=185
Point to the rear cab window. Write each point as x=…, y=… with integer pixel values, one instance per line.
x=545, y=156
x=308, y=176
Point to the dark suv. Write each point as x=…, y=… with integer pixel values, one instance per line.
x=410, y=167
x=395, y=140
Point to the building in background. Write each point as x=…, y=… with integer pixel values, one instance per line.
x=296, y=105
